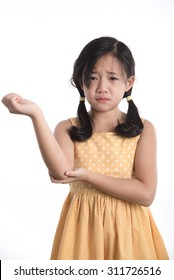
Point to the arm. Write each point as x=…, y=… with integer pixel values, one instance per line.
x=140, y=189
x=57, y=151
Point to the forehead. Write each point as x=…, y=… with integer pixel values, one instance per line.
x=109, y=63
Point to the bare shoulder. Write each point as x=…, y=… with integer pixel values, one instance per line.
x=65, y=124
x=147, y=139
x=61, y=132
x=149, y=129
x=62, y=127
x=148, y=124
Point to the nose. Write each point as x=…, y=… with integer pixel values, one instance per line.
x=102, y=86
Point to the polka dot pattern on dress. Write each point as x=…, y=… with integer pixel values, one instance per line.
x=96, y=226
x=106, y=153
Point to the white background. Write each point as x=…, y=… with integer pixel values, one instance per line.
x=39, y=42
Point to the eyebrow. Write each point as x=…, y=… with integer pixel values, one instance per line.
x=108, y=72
x=112, y=73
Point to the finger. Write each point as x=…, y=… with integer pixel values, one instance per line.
x=56, y=181
x=12, y=105
x=10, y=101
x=15, y=99
x=53, y=180
x=69, y=180
x=7, y=97
x=70, y=173
x=4, y=100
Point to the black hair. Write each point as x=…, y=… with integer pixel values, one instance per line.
x=83, y=67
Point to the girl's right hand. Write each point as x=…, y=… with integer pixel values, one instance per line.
x=17, y=105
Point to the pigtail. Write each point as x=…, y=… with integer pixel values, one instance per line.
x=84, y=129
x=133, y=124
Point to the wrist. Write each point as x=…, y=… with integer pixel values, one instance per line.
x=36, y=113
x=86, y=174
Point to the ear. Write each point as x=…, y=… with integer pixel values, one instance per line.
x=130, y=82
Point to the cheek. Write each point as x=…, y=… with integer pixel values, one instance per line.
x=89, y=93
x=122, y=89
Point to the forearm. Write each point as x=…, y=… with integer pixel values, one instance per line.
x=51, y=151
x=131, y=190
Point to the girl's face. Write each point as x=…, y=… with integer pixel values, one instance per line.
x=108, y=84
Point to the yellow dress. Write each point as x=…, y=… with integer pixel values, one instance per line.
x=97, y=226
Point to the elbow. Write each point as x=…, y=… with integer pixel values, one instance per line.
x=147, y=202
x=148, y=198
x=57, y=178
x=146, y=192
x=54, y=179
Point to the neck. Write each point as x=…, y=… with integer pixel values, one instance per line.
x=105, y=121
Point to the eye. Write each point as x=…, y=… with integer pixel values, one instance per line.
x=93, y=77
x=113, y=78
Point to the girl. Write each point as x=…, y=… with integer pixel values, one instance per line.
x=107, y=156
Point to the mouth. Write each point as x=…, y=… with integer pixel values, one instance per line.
x=102, y=99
